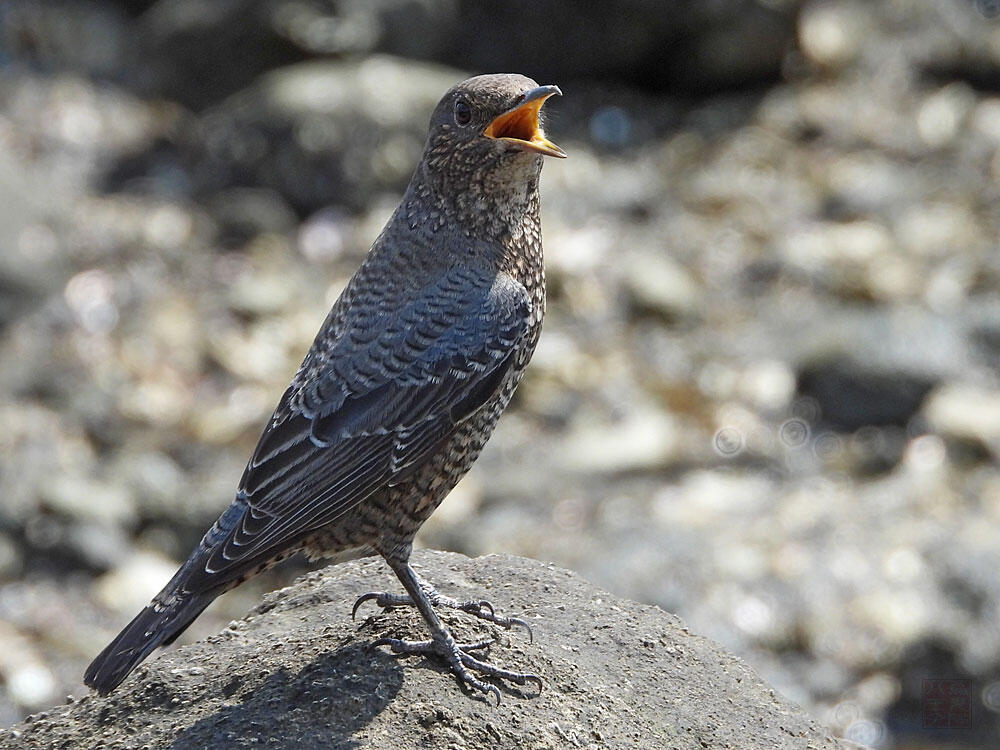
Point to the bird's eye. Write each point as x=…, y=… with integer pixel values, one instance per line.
x=463, y=112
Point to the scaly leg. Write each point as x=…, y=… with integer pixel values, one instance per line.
x=478, y=607
x=442, y=644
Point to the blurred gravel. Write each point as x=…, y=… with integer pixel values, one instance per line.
x=767, y=397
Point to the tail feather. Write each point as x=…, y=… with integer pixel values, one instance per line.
x=192, y=588
x=155, y=626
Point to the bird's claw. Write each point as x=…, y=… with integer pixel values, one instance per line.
x=480, y=608
x=485, y=611
x=508, y=622
x=462, y=663
x=477, y=607
x=399, y=646
x=362, y=599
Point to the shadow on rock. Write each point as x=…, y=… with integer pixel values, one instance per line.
x=323, y=705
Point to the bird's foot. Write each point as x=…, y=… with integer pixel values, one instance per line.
x=477, y=607
x=462, y=663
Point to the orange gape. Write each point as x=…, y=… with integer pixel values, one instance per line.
x=521, y=125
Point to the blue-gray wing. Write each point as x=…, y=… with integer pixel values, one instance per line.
x=368, y=405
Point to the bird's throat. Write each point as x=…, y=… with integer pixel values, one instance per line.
x=489, y=204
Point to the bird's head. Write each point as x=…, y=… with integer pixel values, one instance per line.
x=488, y=128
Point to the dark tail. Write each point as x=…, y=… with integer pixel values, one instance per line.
x=193, y=587
x=156, y=625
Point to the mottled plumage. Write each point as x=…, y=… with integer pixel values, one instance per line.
x=402, y=386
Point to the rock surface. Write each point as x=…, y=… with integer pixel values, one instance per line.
x=296, y=672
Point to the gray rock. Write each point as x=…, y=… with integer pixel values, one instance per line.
x=658, y=286
x=851, y=396
x=198, y=55
x=968, y=413
x=297, y=672
x=319, y=132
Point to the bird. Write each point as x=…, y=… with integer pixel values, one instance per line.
x=400, y=390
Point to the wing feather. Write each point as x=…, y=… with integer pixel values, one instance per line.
x=365, y=409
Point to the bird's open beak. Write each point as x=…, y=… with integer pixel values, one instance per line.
x=519, y=126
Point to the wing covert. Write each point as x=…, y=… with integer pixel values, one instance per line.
x=381, y=401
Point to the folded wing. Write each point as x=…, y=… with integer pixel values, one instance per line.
x=365, y=410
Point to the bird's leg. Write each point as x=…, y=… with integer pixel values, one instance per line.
x=442, y=644
x=478, y=607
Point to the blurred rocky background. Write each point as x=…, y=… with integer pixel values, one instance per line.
x=767, y=396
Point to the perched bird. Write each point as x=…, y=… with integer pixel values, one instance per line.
x=401, y=388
